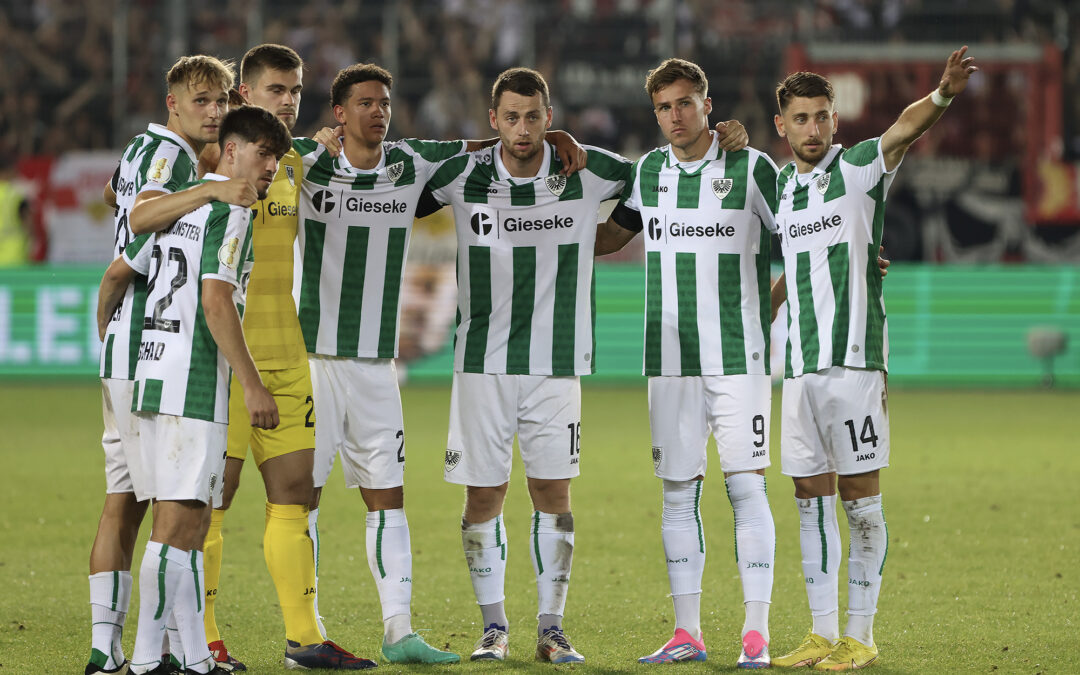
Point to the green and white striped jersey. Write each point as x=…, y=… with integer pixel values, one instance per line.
x=707, y=228
x=354, y=233
x=525, y=260
x=830, y=229
x=156, y=160
x=180, y=370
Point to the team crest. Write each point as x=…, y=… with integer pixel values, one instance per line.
x=722, y=186
x=556, y=184
x=160, y=172
x=657, y=456
x=452, y=459
x=227, y=253
x=394, y=171
x=823, y=183
x=290, y=175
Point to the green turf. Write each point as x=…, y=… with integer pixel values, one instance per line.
x=982, y=570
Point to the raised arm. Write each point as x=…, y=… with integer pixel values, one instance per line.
x=224, y=323
x=921, y=115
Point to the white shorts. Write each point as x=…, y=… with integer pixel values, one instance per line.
x=120, y=439
x=834, y=420
x=358, y=413
x=684, y=410
x=487, y=410
x=183, y=458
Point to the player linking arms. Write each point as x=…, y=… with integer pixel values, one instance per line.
x=835, y=424
x=156, y=162
x=192, y=335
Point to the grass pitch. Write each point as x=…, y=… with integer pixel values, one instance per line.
x=981, y=576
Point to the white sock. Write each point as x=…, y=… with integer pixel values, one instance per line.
x=189, y=609
x=171, y=645
x=868, y=547
x=160, y=575
x=110, y=595
x=390, y=561
x=684, y=550
x=551, y=547
x=485, y=553
x=313, y=533
x=819, y=538
x=755, y=547
x=688, y=613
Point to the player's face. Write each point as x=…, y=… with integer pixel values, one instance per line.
x=522, y=122
x=366, y=113
x=278, y=91
x=682, y=113
x=198, y=110
x=254, y=161
x=809, y=125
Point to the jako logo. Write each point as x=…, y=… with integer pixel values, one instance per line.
x=323, y=201
x=480, y=223
x=656, y=230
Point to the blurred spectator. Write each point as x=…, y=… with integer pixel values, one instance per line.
x=14, y=217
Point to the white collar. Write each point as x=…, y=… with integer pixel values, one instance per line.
x=500, y=169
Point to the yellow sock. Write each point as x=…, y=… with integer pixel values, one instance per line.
x=291, y=562
x=212, y=570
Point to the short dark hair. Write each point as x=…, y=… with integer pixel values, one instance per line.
x=521, y=81
x=803, y=85
x=355, y=74
x=254, y=124
x=672, y=70
x=262, y=57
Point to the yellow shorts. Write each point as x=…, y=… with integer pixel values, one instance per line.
x=292, y=392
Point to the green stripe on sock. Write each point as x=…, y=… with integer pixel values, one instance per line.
x=498, y=538
x=115, y=588
x=378, y=544
x=821, y=531
x=884, y=557
x=536, y=543
x=161, y=582
x=697, y=517
x=198, y=587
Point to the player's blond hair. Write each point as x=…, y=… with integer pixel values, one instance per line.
x=192, y=71
x=672, y=70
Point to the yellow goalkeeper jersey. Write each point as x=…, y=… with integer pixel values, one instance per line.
x=271, y=327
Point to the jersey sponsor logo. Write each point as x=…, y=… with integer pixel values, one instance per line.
x=326, y=201
x=657, y=456
x=480, y=223
x=659, y=188
x=823, y=183
x=323, y=201
x=160, y=171
x=721, y=187
x=226, y=255
x=678, y=230
x=555, y=184
x=394, y=171
x=278, y=209
x=824, y=223
x=555, y=222
x=453, y=458
x=656, y=230
x=291, y=175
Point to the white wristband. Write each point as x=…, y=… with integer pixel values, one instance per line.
x=939, y=100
